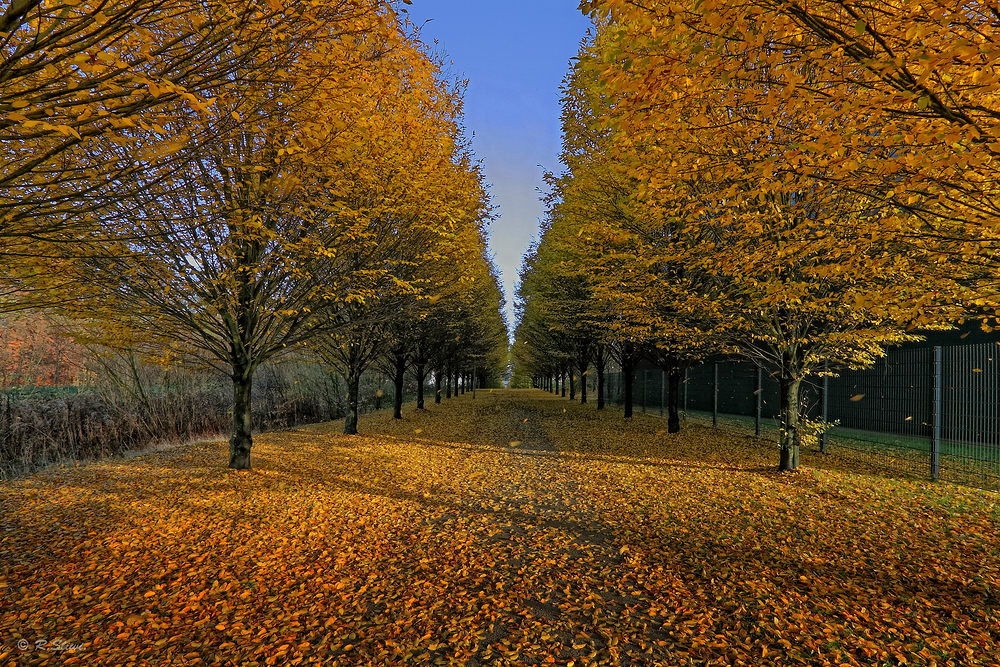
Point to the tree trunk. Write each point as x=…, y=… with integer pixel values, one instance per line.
x=437, y=386
x=562, y=381
x=627, y=379
x=351, y=420
x=242, y=438
x=421, y=376
x=789, y=423
x=673, y=397
x=583, y=384
x=398, y=380
x=448, y=389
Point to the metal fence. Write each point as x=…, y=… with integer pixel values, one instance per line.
x=932, y=411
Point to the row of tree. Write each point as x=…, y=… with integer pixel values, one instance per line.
x=222, y=183
x=797, y=183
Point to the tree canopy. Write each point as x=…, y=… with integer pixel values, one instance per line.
x=800, y=184
x=229, y=183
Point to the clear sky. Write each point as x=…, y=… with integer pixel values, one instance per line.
x=514, y=54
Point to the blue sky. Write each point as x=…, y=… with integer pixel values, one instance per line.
x=514, y=54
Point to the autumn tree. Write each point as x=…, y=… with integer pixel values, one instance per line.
x=461, y=324
x=351, y=349
x=245, y=249
x=541, y=347
x=788, y=269
x=35, y=351
x=436, y=207
x=484, y=333
x=602, y=291
x=449, y=277
x=429, y=329
x=894, y=102
x=82, y=74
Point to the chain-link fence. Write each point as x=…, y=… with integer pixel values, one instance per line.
x=932, y=411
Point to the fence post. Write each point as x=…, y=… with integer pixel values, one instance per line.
x=825, y=407
x=6, y=447
x=936, y=417
x=715, y=396
x=644, y=380
x=663, y=389
x=685, y=390
x=760, y=390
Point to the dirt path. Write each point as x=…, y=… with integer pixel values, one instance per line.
x=547, y=504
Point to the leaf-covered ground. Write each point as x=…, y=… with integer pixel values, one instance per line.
x=509, y=528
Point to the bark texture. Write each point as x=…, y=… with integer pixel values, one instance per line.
x=241, y=440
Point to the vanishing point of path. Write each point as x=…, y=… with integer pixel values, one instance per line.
x=512, y=528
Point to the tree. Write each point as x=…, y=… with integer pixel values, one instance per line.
x=785, y=269
x=36, y=352
x=895, y=103
x=430, y=243
x=245, y=251
x=595, y=283
x=82, y=74
x=539, y=347
x=351, y=349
